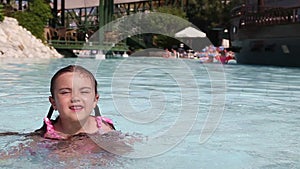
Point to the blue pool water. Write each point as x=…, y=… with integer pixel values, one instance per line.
x=189, y=115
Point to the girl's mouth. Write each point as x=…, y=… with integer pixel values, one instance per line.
x=76, y=107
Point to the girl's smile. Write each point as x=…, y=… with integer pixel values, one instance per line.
x=76, y=108
x=74, y=95
x=74, y=92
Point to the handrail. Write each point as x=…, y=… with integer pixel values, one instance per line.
x=78, y=45
x=269, y=16
x=250, y=9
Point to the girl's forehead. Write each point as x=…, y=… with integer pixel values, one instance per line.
x=75, y=77
x=77, y=74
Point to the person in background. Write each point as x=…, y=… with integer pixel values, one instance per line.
x=222, y=57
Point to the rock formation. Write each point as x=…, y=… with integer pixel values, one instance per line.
x=17, y=42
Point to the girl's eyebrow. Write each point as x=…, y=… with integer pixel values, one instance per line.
x=83, y=88
x=69, y=89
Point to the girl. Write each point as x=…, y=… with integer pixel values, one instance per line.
x=74, y=95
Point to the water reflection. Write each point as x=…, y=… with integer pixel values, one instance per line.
x=259, y=127
x=81, y=150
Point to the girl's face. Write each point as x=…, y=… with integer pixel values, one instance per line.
x=74, y=96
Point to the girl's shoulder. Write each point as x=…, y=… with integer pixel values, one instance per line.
x=104, y=123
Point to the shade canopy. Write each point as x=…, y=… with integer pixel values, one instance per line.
x=190, y=32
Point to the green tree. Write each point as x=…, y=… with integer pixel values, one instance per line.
x=154, y=29
x=208, y=14
x=1, y=12
x=167, y=25
x=41, y=9
x=35, y=17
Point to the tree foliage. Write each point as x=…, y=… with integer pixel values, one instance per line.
x=1, y=13
x=211, y=13
x=169, y=26
x=165, y=24
x=155, y=28
x=35, y=17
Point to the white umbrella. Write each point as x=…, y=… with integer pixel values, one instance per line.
x=190, y=32
x=194, y=38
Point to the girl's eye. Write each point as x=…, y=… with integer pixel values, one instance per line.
x=64, y=92
x=85, y=91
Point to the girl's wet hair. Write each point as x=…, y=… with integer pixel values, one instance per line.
x=70, y=68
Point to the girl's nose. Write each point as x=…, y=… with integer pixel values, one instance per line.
x=75, y=98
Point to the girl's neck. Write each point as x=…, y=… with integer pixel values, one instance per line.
x=72, y=128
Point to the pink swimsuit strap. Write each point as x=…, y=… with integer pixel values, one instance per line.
x=50, y=129
x=99, y=120
x=53, y=134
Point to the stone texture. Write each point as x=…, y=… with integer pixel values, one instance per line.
x=17, y=42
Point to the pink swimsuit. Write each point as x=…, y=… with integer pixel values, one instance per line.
x=51, y=133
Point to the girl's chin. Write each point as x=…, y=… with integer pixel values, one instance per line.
x=80, y=117
x=76, y=115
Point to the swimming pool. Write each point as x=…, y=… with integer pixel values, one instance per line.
x=190, y=115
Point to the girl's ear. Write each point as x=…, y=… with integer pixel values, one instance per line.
x=52, y=101
x=96, y=100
